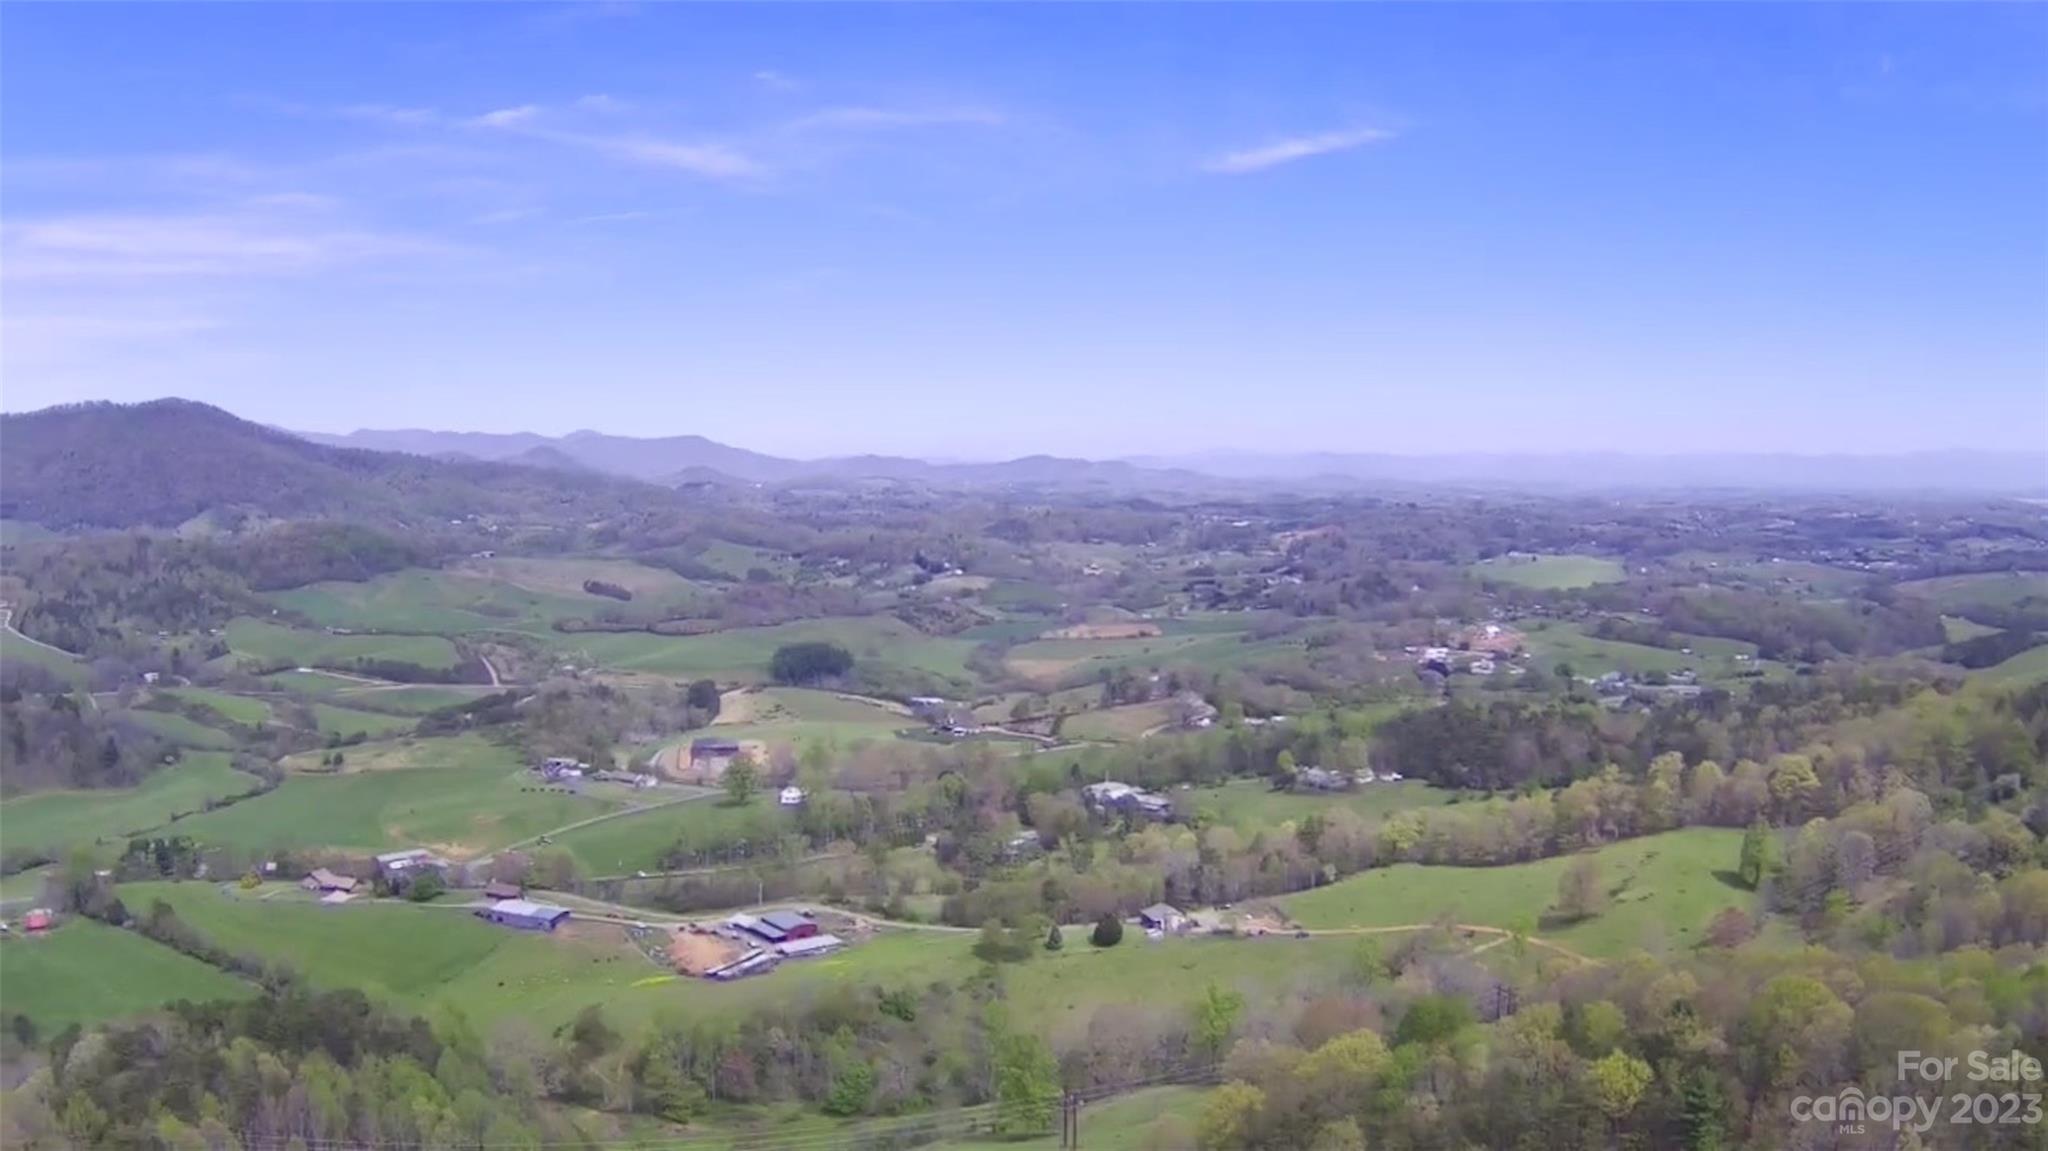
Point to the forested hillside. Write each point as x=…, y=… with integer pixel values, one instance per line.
x=162, y=463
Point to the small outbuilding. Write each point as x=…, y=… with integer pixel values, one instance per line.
x=524, y=915
x=1163, y=917
x=498, y=890
x=322, y=880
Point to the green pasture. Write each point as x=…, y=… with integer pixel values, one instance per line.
x=16, y=648
x=178, y=729
x=50, y=821
x=742, y=654
x=2029, y=666
x=271, y=644
x=347, y=722
x=1663, y=888
x=1551, y=642
x=436, y=603
x=85, y=972
x=1964, y=595
x=1252, y=803
x=233, y=708
x=461, y=811
x=1551, y=572
x=637, y=841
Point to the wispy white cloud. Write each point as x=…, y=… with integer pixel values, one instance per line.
x=858, y=117
x=603, y=103
x=613, y=218
x=775, y=81
x=129, y=247
x=1292, y=148
x=392, y=114
x=507, y=117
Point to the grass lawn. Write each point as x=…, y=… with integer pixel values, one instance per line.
x=636, y=842
x=1551, y=642
x=460, y=811
x=347, y=721
x=15, y=648
x=433, y=603
x=85, y=972
x=1056, y=660
x=408, y=752
x=24, y=886
x=1956, y=629
x=736, y=559
x=2027, y=667
x=1963, y=595
x=269, y=643
x=50, y=821
x=1551, y=572
x=1252, y=803
x=177, y=729
x=1119, y=724
x=1662, y=886
x=797, y=716
x=413, y=699
x=1059, y=991
x=742, y=654
x=308, y=682
x=234, y=708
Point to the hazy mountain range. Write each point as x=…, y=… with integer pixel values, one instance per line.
x=164, y=462
x=671, y=459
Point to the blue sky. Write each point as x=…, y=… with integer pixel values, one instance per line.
x=1092, y=230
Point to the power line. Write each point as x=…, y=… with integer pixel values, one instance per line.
x=935, y=1124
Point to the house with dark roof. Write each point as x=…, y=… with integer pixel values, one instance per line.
x=498, y=889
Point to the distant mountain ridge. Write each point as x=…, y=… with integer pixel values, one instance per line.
x=162, y=463
x=673, y=459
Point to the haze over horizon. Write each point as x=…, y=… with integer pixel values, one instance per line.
x=982, y=233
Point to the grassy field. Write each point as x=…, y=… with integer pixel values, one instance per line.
x=14, y=648
x=85, y=972
x=53, y=820
x=565, y=577
x=234, y=708
x=435, y=603
x=2029, y=666
x=1956, y=629
x=1551, y=572
x=460, y=810
x=347, y=721
x=1050, y=661
x=1551, y=642
x=798, y=715
x=742, y=654
x=269, y=644
x=413, y=699
x=1251, y=803
x=406, y=753
x=1963, y=595
x=1059, y=991
x=1664, y=887
x=736, y=560
x=177, y=729
x=636, y=842
x=1119, y=724
x=24, y=886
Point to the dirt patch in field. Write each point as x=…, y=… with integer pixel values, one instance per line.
x=589, y=931
x=1104, y=631
x=694, y=953
x=740, y=705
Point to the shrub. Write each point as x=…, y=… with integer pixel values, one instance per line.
x=1109, y=931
